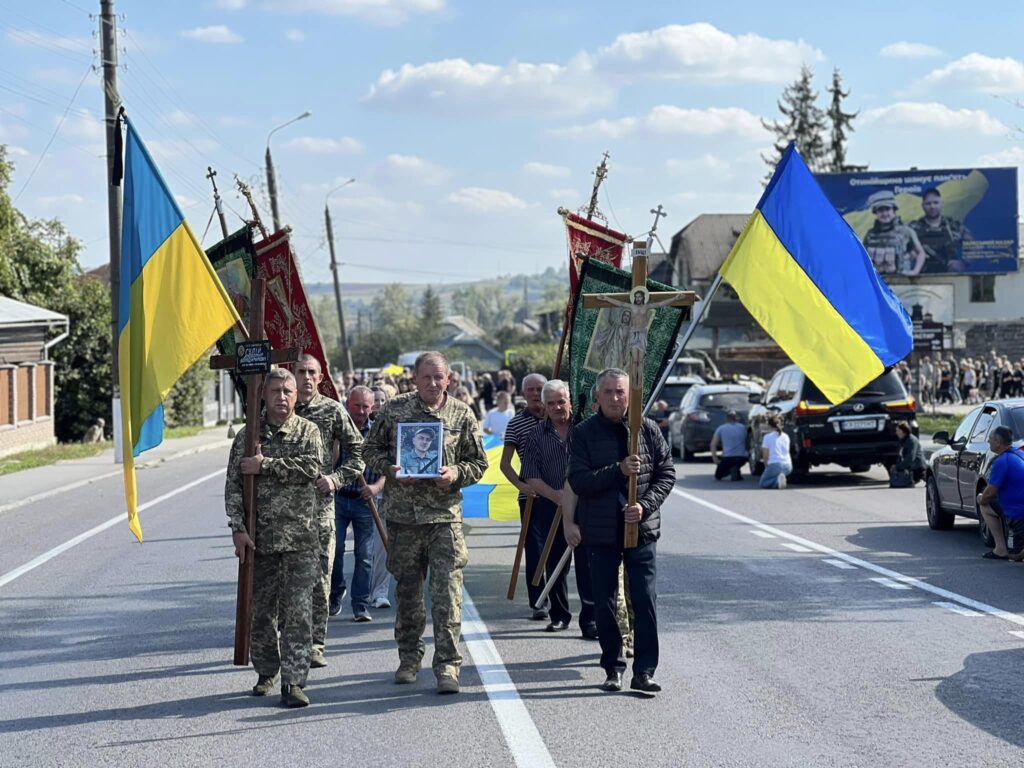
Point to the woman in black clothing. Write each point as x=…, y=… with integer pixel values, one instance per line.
x=909, y=470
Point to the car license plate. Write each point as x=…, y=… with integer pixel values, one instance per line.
x=860, y=424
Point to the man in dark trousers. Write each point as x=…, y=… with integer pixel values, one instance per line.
x=599, y=468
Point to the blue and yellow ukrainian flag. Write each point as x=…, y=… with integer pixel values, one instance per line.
x=805, y=277
x=494, y=496
x=171, y=308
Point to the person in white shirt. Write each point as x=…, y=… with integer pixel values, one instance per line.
x=498, y=417
x=775, y=455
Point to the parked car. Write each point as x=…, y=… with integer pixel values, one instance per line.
x=701, y=412
x=675, y=388
x=958, y=471
x=855, y=434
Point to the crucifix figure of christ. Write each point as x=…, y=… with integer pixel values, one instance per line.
x=253, y=385
x=640, y=303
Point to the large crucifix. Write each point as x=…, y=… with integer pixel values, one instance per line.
x=640, y=303
x=254, y=386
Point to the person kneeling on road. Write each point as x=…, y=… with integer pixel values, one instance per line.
x=775, y=455
x=1005, y=484
x=909, y=470
x=731, y=437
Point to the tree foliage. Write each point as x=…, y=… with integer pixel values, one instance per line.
x=803, y=123
x=39, y=265
x=842, y=126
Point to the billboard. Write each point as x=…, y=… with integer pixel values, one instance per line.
x=946, y=222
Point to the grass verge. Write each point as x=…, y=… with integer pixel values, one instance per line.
x=929, y=425
x=45, y=456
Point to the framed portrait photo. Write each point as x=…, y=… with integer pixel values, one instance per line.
x=420, y=448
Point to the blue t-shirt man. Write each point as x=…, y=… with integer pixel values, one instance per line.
x=1007, y=477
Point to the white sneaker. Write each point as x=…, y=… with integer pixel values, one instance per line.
x=381, y=602
x=782, y=482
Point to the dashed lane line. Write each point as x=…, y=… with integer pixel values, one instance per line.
x=956, y=608
x=886, y=582
x=839, y=564
x=953, y=597
x=796, y=547
x=31, y=565
x=763, y=534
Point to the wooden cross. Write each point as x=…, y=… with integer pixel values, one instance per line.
x=253, y=385
x=639, y=301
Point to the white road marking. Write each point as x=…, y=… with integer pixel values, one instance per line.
x=31, y=565
x=840, y=564
x=967, y=602
x=763, y=534
x=1017, y=634
x=520, y=732
x=956, y=608
x=796, y=547
x=889, y=583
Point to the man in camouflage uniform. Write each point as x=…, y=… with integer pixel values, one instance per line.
x=941, y=237
x=340, y=438
x=892, y=245
x=425, y=519
x=288, y=461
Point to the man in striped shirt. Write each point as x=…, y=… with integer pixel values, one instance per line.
x=516, y=433
x=545, y=462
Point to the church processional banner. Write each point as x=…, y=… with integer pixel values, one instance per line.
x=600, y=337
x=288, y=320
x=589, y=240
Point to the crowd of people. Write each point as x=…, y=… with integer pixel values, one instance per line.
x=968, y=380
x=323, y=465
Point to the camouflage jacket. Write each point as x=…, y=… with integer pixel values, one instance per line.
x=335, y=424
x=287, y=503
x=422, y=501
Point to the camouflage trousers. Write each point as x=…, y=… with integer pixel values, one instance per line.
x=624, y=611
x=282, y=596
x=413, y=550
x=322, y=589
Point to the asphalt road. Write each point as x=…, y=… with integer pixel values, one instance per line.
x=824, y=625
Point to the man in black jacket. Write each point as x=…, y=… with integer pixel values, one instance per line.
x=599, y=470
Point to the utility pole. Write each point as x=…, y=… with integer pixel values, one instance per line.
x=217, y=202
x=111, y=102
x=337, y=292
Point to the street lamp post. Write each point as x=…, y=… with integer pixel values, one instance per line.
x=271, y=178
x=337, y=283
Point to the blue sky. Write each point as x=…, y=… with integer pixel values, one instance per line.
x=466, y=124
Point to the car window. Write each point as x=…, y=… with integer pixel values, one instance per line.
x=773, y=388
x=886, y=385
x=965, y=426
x=673, y=393
x=788, y=387
x=980, y=431
x=727, y=400
x=1017, y=423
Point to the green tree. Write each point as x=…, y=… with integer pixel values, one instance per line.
x=39, y=265
x=184, y=404
x=803, y=122
x=842, y=126
x=431, y=314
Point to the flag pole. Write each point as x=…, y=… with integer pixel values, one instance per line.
x=694, y=322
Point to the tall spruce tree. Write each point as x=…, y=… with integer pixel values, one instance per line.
x=803, y=122
x=842, y=126
x=431, y=314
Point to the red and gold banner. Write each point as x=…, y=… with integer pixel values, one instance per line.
x=288, y=320
x=589, y=240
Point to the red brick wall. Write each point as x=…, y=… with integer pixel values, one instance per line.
x=24, y=384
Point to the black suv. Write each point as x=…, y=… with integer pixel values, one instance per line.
x=856, y=434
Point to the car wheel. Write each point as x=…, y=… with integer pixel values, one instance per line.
x=754, y=456
x=983, y=529
x=672, y=447
x=860, y=467
x=938, y=518
x=801, y=468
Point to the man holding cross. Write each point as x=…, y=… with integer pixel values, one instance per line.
x=600, y=468
x=286, y=464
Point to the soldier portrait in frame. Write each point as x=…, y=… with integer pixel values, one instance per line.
x=419, y=449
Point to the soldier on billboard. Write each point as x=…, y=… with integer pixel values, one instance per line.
x=892, y=245
x=941, y=237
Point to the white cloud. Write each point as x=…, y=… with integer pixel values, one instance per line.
x=706, y=166
x=935, y=116
x=218, y=33
x=547, y=171
x=568, y=196
x=295, y=35
x=15, y=151
x=399, y=168
x=666, y=120
x=82, y=125
x=186, y=202
x=485, y=200
x=905, y=50
x=316, y=145
x=179, y=117
x=170, y=149
x=54, y=201
x=1005, y=157
x=376, y=11
x=703, y=52
x=516, y=88
x=977, y=72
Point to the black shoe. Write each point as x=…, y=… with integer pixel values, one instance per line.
x=539, y=614
x=613, y=682
x=334, y=606
x=645, y=684
x=589, y=631
x=737, y=477
x=994, y=556
x=557, y=626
